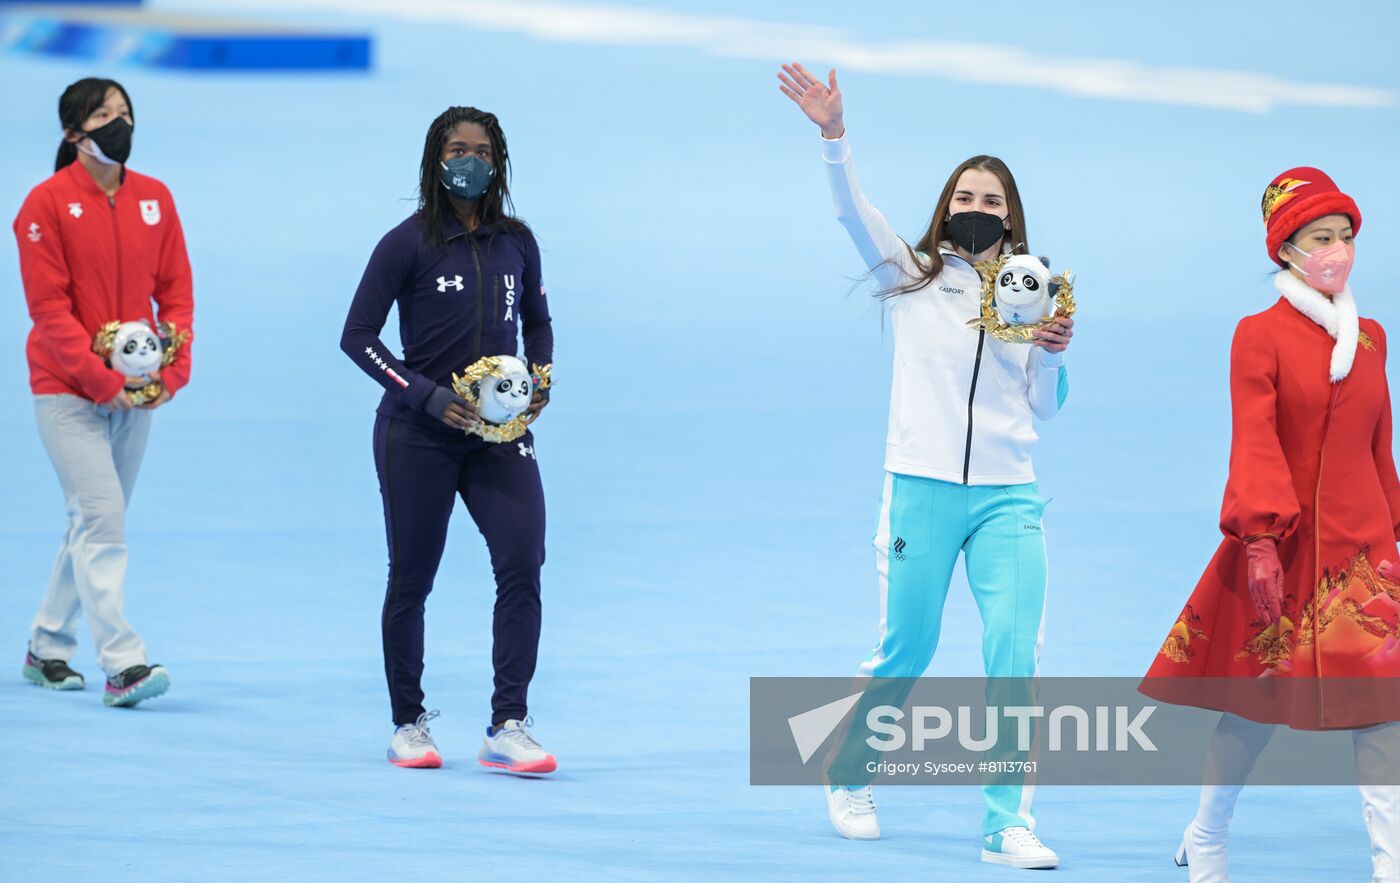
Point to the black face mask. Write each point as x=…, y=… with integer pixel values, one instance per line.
x=975, y=232
x=113, y=139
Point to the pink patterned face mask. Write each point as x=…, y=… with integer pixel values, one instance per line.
x=1326, y=269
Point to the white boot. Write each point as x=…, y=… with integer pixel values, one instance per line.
x=852, y=812
x=1235, y=745
x=1381, y=809
x=1377, y=754
x=1205, y=846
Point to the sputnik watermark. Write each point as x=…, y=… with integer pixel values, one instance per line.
x=1100, y=728
x=1072, y=731
x=1112, y=729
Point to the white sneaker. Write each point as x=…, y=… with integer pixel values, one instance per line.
x=511, y=747
x=413, y=747
x=1017, y=847
x=852, y=812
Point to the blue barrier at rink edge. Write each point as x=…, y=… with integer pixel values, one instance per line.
x=120, y=33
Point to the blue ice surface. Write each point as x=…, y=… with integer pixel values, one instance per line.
x=712, y=457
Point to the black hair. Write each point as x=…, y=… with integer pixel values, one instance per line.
x=76, y=104
x=434, y=201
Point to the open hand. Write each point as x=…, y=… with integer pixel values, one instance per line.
x=820, y=102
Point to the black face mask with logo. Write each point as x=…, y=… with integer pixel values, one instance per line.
x=975, y=232
x=113, y=140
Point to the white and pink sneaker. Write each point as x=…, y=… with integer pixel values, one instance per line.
x=511, y=747
x=413, y=746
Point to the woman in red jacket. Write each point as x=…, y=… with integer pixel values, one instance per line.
x=97, y=244
x=1297, y=619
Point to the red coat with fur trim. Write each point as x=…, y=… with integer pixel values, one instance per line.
x=87, y=260
x=1310, y=464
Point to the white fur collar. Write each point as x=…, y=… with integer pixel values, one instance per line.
x=1337, y=314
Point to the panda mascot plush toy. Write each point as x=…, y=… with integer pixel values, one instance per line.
x=1023, y=293
x=504, y=394
x=136, y=349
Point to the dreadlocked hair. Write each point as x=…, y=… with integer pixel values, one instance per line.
x=434, y=200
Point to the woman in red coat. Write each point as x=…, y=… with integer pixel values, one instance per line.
x=1302, y=590
x=98, y=244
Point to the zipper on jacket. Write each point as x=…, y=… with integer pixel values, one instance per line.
x=495, y=297
x=1317, y=548
x=972, y=394
x=480, y=294
x=117, y=247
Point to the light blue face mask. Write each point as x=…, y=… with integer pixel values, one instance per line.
x=467, y=176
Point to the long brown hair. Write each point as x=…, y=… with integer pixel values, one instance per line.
x=930, y=262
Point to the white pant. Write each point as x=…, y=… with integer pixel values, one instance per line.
x=96, y=453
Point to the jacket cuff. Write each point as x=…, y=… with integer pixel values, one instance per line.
x=837, y=151
x=102, y=393
x=1049, y=359
x=418, y=391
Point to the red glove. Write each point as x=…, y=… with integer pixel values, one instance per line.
x=1265, y=578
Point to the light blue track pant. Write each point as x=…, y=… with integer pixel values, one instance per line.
x=924, y=524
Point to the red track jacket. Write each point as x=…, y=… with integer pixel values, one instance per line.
x=87, y=260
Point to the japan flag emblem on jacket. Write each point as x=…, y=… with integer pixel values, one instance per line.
x=150, y=211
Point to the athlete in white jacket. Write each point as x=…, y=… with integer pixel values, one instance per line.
x=957, y=457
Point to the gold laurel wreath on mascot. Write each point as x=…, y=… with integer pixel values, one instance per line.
x=995, y=325
x=170, y=341
x=469, y=382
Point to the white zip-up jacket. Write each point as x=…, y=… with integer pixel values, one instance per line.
x=962, y=402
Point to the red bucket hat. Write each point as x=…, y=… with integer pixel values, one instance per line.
x=1297, y=198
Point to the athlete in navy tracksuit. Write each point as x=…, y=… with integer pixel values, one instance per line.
x=466, y=278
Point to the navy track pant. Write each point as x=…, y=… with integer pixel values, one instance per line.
x=421, y=473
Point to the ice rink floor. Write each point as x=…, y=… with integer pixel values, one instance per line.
x=712, y=456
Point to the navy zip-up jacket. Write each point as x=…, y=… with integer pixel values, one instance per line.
x=457, y=303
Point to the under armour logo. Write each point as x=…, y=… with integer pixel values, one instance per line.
x=526, y=450
x=899, y=548
x=443, y=284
